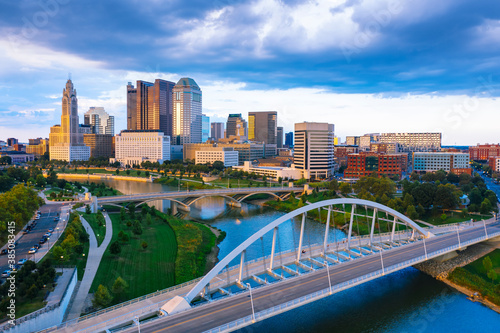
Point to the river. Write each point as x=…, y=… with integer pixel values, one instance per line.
x=405, y=301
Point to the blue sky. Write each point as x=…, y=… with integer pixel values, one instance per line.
x=366, y=66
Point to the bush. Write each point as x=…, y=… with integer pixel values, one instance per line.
x=144, y=245
x=115, y=248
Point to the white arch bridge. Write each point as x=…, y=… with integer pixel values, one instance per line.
x=228, y=298
x=183, y=200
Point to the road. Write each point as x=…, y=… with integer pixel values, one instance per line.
x=490, y=184
x=220, y=312
x=46, y=221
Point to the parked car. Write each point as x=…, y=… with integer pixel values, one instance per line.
x=42, y=240
x=51, y=230
x=6, y=273
x=22, y=261
x=32, y=250
x=4, y=251
x=48, y=234
x=36, y=246
x=26, y=231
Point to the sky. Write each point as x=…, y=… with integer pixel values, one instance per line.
x=366, y=66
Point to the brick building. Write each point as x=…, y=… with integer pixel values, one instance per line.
x=484, y=152
x=366, y=163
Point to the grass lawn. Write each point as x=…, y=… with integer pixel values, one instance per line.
x=145, y=271
x=100, y=232
x=452, y=217
x=31, y=305
x=474, y=277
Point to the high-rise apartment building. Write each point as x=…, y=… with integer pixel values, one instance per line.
x=217, y=131
x=262, y=126
x=279, y=137
x=66, y=139
x=236, y=126
x=314, y=150
x=38, y=146
x=100, y=121
x=289, y=139
x=187, y=123
x=205, y=127
x=149, y=106
x=413, y=142
x=12, y=141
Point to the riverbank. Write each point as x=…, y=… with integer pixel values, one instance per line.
x=441, y=271
x=104, y=176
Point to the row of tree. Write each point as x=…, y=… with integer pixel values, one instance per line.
x=18, y=205
x=72, y=241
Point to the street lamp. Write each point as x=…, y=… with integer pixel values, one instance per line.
x=62, y=257
x=329, y=280
x=251, y=301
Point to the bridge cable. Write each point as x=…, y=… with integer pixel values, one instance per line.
x=228, y=278
x=357, y=224
x=345, y=213
x=379, y=231
x=281, y=253
x=335, y=233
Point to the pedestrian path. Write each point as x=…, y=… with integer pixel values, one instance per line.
x=93, y=261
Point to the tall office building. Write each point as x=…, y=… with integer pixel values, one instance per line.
x=149, y=106
x=205, y=127
x=12, y=141
x=187, y=123
x=279, y=137
x=262, y=126
x=66, y=140
x=289, y=139
x=217, y=131
x=314, y=150
x=236, y=126
x=100, y=121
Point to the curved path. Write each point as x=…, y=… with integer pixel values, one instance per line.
x=93, y=261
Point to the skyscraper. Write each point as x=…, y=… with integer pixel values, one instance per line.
x=262, y=126
x=289, y=139
x=205, y=128
x=187, y=123
x=236, y=126
x=149, y=106
x=217, y=131
x=100, y=120
x=279, y=137
x=66, y=140
x=313, y=151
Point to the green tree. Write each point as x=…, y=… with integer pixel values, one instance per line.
x=218, y=165
x=412, y=212
x=117, y=171
x=115, y=248
x=127, y=172
x=487, y=264
x=408, y=200
x=32, y=292
x=87, y=209
x=492, y=275
x=138, y=172
x=147, y=174
x=40, y=181
x=144, y=209
x=345, y=188
x=149, y=220
x=445, y=197
x=144, y=245
x=123, y=214
x=102, y=297
x=485, y=207
x=443, y=217
x=136, y=228
x=119, y=287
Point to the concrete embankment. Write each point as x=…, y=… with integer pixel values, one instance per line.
x=104, y=176
x=440, y=270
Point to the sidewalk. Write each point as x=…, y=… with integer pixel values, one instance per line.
x=93, y=261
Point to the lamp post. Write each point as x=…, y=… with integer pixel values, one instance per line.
x=485, y=232
x=251, y=301
x=62, y=257
x=329, y=280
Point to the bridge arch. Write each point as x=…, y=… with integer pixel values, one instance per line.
x=214, y=195
x=156, y=199
x=269, y=193
x=198, y=288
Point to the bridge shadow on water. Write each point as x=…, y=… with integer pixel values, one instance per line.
x=404, y=301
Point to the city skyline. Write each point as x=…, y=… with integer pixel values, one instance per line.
x=364, y=69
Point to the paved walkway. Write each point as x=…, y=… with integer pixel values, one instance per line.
x=93, y=261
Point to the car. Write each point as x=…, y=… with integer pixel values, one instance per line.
x=26, y=231
x=51, y=230
x=6, y=273
x=36, y=246
x=48, y=234
x=42, y=240
x=16, y=268
x=4, y=251
x=32, y=250
x=56, y=219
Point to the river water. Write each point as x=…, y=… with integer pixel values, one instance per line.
x=405, y=301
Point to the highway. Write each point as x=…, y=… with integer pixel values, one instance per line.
x=27, y=241
x=217, y=313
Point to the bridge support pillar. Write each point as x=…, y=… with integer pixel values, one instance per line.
x=242, y=263
x=175, y=305
x=93, y=204
x=273, y=248
x=373, y=225
x=327, y=228
x=235, y=204
x=299, y=252
x=353, y=210
x=173, y=207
